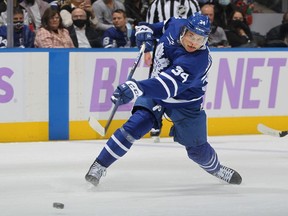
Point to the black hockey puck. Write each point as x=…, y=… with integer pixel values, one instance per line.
x=58, y=205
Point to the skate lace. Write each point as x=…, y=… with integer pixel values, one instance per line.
x=225, y=173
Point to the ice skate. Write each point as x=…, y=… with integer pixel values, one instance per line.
x=155, y=135
x=95, y=172
x=228, y=175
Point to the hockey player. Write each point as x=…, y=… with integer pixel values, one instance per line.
x=180, y=77
x=159, y=11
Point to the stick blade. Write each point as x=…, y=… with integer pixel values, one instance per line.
x=96, y=126
x=268, y=131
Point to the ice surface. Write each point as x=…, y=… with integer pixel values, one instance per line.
x=152, y=179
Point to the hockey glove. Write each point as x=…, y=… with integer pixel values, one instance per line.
x=126, y=92
x=144, y=34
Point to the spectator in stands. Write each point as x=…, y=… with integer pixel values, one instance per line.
x=23, y=36
x=239, y=33
x=35, y=10
x=120, y=35
x=247, y=7
x=52, y=33
x=217, y=37
x=81, y=33
x=277, y=36
x=222, y=10
x=136, y=10
x=66, y=10
x=103, y=10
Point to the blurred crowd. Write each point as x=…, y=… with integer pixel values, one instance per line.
x=111, y=23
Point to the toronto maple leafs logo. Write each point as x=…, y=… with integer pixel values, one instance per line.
x=160, y=62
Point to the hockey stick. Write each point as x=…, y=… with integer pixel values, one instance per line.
x=270, y=131
x=93, y=122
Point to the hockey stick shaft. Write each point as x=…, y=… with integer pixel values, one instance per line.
x=270, y=131
x=129, y=78
x=93, y=122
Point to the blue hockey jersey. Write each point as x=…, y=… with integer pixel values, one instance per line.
x=114, y=37
x=179, y=78
x=23, y=39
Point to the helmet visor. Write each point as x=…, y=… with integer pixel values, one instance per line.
x=195, y=38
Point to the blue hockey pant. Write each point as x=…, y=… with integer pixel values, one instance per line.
x=189, y=129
